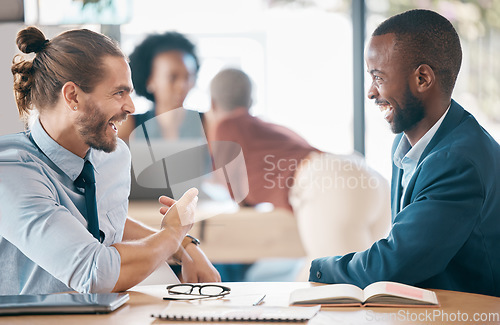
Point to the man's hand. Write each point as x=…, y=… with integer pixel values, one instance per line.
x=141, y=256
x=196, y=267
x=167, y=202
x=179, y=215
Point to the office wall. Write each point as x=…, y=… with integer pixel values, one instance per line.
x=9, y=118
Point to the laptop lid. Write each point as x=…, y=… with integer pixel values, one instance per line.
x=163, y=167
x=64, y=303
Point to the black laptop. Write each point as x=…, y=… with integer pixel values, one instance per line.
x=63, y=303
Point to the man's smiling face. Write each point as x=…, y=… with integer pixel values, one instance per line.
x=390, y=88
x=107, y=106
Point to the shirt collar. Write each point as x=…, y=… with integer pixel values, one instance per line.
x=65, y=160
x=401, y=151
x=405, y=150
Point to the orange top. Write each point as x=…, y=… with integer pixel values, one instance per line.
x=272, y=154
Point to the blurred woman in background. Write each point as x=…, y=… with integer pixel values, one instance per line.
x=164, y=69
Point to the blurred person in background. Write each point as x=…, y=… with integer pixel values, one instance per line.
x=164, y=70
x=340, y=203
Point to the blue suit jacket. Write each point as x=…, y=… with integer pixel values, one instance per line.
x=446, y=235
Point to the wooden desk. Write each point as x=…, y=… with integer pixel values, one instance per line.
x=239, y=235
x=146, y=300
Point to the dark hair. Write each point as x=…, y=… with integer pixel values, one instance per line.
x=141, y=59
x=75, y=55
x=426, y=37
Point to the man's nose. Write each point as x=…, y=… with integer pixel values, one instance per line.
x=129, y=106
x=372, y=92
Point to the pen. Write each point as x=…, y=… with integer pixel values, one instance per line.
x=260, y=301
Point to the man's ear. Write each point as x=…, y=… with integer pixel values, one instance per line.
x=71, y=93
x=424, y=78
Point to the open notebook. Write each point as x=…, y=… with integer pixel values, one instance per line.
x=63, y=303
x=383, y=293
x=178, y=311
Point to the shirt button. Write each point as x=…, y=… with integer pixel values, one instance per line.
x=318, y=275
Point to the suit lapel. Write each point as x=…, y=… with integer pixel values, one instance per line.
x=399, y=191
x=451, y=121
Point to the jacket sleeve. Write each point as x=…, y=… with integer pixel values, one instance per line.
x=446, y=197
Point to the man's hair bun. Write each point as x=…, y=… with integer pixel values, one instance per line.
x=30, y=40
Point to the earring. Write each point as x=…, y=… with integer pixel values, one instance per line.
x=75, y=108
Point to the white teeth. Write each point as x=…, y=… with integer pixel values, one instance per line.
x=386, y=110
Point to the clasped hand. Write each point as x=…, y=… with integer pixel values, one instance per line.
x=178, y=217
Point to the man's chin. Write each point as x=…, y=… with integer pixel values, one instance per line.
x=106, y=147
x=399, y=128
x=396, y=129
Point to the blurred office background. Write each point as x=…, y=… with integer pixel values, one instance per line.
x=299, y=53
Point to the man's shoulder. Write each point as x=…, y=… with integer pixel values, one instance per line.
x=16, y=147
x=20, y=158
x=252, y=125
x=230, y=128
x=13, y=139
x=468, y=144
x=469, y=139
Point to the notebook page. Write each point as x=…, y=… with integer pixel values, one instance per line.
x=404, y=291
x=183, y=311
x=327, y=294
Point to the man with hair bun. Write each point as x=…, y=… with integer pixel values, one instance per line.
x=445, y=200
x=65, y=181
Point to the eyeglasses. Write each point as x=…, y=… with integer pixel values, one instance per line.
x=203, y=291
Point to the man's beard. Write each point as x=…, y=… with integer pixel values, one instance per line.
x=93, y=128
x=408, y=117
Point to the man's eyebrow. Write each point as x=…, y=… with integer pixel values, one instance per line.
x=374, y=71
x=123, y=88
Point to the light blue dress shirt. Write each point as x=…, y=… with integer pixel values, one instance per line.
x=45, y=246
x=406, y=157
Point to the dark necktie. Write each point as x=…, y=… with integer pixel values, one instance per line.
x=87, y=181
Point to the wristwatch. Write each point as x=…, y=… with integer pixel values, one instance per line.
x=186, y=241
x=190, y=239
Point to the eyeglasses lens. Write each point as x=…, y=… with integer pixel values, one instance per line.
x=182, y=289
x=210, y=290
